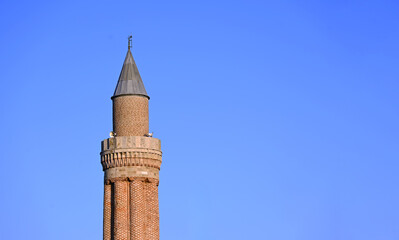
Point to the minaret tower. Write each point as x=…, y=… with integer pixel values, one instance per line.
x=131, y=160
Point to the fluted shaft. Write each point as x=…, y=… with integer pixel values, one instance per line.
x=152, y=211
x=107, y=212
x=121, y=229
x=137, y=210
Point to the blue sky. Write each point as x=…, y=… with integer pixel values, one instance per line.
x=278, y=119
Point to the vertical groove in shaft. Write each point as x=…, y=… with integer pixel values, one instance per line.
x=137, y=208
x=107, y=212
x=152, y=211
x=121, y=229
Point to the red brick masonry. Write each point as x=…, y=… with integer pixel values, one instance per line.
x=131, y=209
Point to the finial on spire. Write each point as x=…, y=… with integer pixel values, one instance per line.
x=129, y=42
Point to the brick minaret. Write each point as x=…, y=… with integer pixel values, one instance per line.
x=131, y=161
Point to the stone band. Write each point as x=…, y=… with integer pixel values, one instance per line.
x=131, y=172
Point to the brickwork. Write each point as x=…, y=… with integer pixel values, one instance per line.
x=107, y=212
x=120, y=228
x=130, y=115
x=131, y=210
x=137, y=210
x=152, y=212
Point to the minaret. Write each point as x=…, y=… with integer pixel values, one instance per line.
x=131, y=160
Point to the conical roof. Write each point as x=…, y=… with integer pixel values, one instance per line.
x=130, y=82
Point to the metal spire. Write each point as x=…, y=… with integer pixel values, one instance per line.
x=129, y=82
x=129, y=44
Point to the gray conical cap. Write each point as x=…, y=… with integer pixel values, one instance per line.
x=130, y=82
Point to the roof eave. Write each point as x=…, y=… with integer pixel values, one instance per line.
x=130, y=94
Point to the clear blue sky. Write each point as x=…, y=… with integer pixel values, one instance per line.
x=278, y=119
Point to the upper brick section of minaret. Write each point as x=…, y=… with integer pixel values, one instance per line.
x=129, y=82
x=130, y=101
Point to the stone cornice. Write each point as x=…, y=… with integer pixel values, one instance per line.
x=131, y=158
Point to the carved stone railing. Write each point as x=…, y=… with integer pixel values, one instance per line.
x=131, y=156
